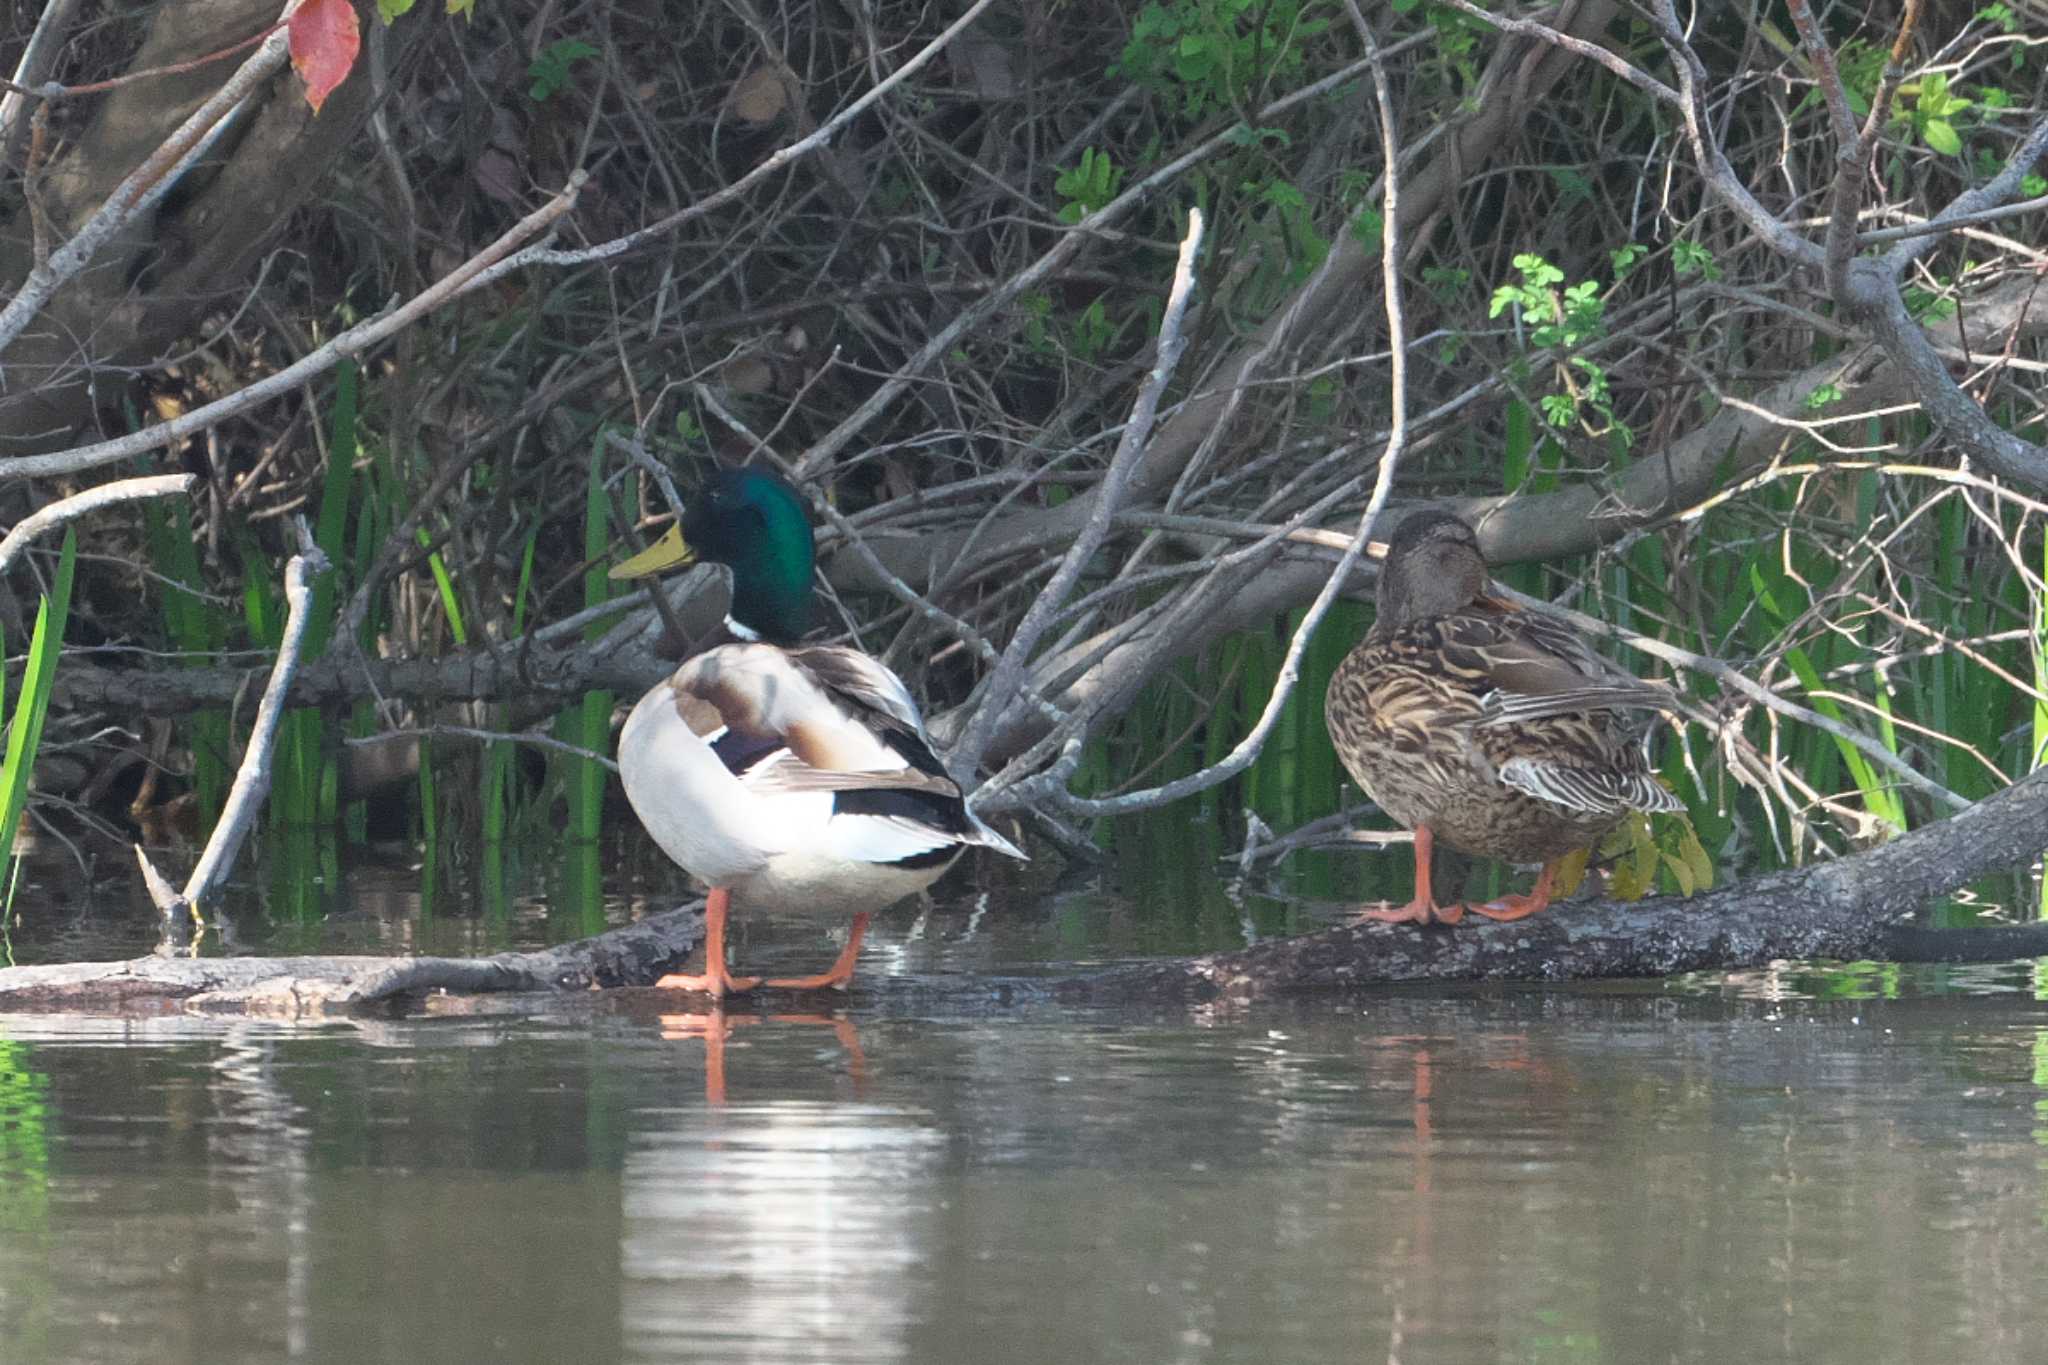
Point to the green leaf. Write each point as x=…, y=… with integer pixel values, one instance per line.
x=1942, y=137
x=46, y=643
x=550, y=70
x=446, y=585
x=1681, y=872
x=388, y=10
x=1695, y=854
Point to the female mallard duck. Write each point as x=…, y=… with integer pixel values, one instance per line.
x=1498, y=731
x=786, y=777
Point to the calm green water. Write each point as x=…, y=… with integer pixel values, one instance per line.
x=1790, y=1166
x=1625, y=1176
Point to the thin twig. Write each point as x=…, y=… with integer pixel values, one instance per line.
x=536, y=738
x=776, y=161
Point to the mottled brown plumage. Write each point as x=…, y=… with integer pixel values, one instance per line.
x=1498, y=731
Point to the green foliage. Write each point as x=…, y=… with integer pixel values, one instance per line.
x=1690, y=258
x=1565, y=319
x=1930, y=109
x=1205, y=54
x=32, y=703
x=391, y=10
x=1446, y=281
x=1087, y=187
x=1647, y=849
x=550, y=70
x=1928, y=305
x=1092, y=331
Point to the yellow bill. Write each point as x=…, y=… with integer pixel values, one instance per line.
x=666, y=553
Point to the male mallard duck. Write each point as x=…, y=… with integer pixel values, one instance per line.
x=786, y=776
x=1496, y=730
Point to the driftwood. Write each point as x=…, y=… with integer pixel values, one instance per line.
x=1849, y=908
x=293, y=986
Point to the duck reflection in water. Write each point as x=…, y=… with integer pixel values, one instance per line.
x=1422, y=1294
x=715, y=1026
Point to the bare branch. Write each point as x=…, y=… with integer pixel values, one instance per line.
x=469, y=275
x=81, y=504
x=252, y=779
x=1009, y=670
x=1247, y=749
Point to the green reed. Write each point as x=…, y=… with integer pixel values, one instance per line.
x=588, y=722
x=32, y=702
x=197, y=630
x=499, y=754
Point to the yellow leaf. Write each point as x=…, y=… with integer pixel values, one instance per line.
x=1681, y=872
x=1571, y=871
x=1696, y=858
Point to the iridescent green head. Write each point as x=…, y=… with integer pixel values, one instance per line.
x=755, y=524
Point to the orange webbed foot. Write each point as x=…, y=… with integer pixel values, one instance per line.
x=1508, y=908
x=716, y=984
x=1423, y=908
x=1514, y=907
x=840, y=974
x=717, y=980
x=1414, y=912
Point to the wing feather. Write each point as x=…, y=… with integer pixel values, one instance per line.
x=1589, y=791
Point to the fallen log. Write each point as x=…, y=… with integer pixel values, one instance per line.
x=293, y=987
x=1846, y=909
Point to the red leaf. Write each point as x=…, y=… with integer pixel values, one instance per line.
x=324, y=39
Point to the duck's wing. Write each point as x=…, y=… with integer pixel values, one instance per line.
x=1601, y=788
x=848, y=726
x=1531, y=667
x=1551, y=712
x=872, y=697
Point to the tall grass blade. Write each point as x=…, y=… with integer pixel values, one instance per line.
x=588, y=723
x=32, y=704
x=498, y=753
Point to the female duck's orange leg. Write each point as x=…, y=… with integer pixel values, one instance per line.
x=1423, y=908
x=841, y=971
x=1521, y=907
x=717, y=979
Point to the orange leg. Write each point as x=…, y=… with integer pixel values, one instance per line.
x=714, y=1028
x=1521, y=907
x=1423, y=908
x=841, y=971
x=717, y=979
